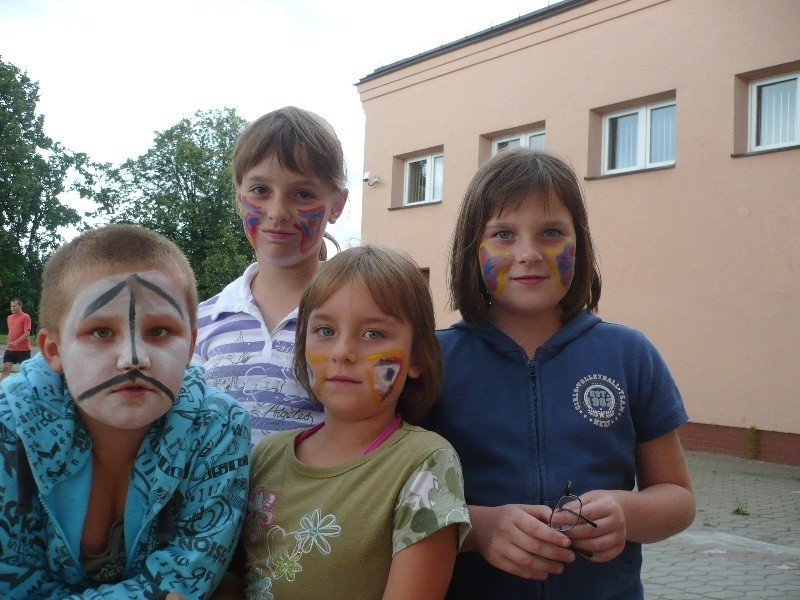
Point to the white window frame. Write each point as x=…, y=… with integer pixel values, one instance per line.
x=429, y=189
x=643, y=137
x=754, y=146
x=523, y=137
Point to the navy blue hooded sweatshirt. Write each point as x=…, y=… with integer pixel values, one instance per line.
x=524, y=428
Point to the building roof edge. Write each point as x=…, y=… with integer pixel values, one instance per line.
x=537, y=15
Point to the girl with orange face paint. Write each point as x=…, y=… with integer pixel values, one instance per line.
x=367, y=351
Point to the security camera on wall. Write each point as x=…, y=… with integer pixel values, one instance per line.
x=369, y=179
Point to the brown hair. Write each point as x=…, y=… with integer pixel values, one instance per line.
x=301, y=141
x=111, y=246
x=396, y=284
x=506, y=180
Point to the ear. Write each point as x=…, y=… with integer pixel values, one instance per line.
x=50, y=349
x=191, y=347
x=414, y=370
x=338, y=206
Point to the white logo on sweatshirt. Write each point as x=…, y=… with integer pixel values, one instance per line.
x=600, y=399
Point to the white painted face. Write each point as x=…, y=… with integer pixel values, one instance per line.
x=124, y=346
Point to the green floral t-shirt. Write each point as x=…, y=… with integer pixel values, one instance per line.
x=332, y=532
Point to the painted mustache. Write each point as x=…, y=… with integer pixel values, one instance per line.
x=123, y=378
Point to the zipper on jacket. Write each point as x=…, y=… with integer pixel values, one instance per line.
x=532, y=377
x=542, y=592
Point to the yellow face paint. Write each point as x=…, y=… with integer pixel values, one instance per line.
x=318, y=362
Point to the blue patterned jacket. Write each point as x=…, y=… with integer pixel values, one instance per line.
x=185, y=503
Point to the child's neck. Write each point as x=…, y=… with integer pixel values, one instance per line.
x=339, y=442
x=113, y=447
x=529, y=331
x=277, y=290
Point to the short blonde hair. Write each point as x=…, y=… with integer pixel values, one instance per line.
x=110, y=246
x=396, y=284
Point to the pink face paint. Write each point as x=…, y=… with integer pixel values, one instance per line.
x=251, y=217
x=309, y=224
x=495, y=268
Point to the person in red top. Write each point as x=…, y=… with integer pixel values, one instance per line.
x=18, y=346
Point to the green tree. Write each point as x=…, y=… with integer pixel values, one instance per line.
x=34, y=173
x=181, y=187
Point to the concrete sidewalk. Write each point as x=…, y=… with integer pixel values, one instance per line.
x=744, y=542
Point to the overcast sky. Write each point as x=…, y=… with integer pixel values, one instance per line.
x=113, y=73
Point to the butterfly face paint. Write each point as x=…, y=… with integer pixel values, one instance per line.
x=380, y=372
x=495, y=267
x=565, y=261
x=309, y=224
x=251, y=216
x=124, y=347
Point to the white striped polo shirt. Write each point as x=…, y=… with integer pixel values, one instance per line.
x=241, y=357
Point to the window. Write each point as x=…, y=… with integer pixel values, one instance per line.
x=639, y=138
x=423, y=179
x=774, y=112
x=532, y=139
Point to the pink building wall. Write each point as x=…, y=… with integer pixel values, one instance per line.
x=704, y=257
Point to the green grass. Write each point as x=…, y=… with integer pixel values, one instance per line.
x=740, y=509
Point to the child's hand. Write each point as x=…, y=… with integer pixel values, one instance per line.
x=516, y=538
x=607, y=540
x=174, y=596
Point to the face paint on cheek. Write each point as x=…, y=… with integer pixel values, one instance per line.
x=384, y=373
x=316, y=364
x=251, y=217
x=495, y=268
x=563, y=264
x=309, y=224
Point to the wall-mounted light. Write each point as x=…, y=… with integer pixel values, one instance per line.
x=371, y=180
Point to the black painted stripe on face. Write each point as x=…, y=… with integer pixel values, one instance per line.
x=153, y=287
x=122, y=378
x=104, y=299
x=132, y=322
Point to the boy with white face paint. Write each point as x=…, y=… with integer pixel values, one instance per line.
x=126, y=473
